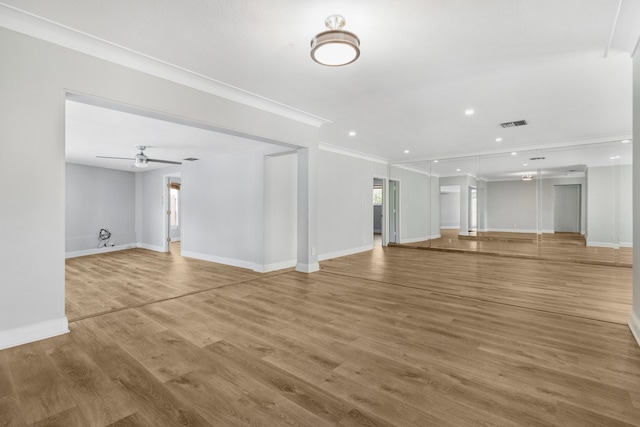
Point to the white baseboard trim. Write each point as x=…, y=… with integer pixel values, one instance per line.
x=175, y=239
x=626, y=244
x=275, y=266
x=634, y=325
x=603, y=244
x=338, y=254
x=95, y=251
x=436, y=236
x=150, y=247
x=414, y=239
x=513, y=230
x=36, y=332
x=220, y=260
x=449, y=227
x=307, y=268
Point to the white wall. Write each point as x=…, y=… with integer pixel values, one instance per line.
x=345, y=205
x=609, y=206
x=280, y=211
x=34, y=76
x=450, y=209
x=98, y=198
x=511, y=206
x=416, y=198
x=222, y=209
x=634, y=321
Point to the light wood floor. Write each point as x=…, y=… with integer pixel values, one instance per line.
x=388, y=337
x=553, y=247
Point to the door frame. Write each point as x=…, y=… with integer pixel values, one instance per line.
x=395, y=217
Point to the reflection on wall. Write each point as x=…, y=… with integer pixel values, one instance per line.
x=584, y=189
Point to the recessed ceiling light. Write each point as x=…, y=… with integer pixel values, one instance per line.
x=435, y=161
x=625, y=141
x=469, y=112
x=498, y=139
x=514, y=153
x=525, y=164
x=457, y=170
x=352, y=133
x=406, y=151
x=614, y=157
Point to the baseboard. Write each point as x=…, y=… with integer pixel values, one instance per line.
x=307, y=268
x=512, y=230
x=626, y=244
x=338, y=254
x=36, y=332
x=220, y=260
x=414, y=239
x=436, y=236
x=96, y=251
x=449, y=227
x=175, y=239
x=275, y=266
x=150, y=247
x=634, y=325
x=603, y=244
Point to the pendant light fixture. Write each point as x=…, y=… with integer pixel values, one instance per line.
x=335, y=47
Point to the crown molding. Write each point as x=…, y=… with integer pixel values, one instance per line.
x=351, y=153
x=35, y=26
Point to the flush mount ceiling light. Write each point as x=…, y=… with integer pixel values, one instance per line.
x=335, y=46
x=527, y=177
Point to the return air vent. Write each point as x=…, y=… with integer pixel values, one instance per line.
x=537, y=158
x=514, y=124
x=190, y=159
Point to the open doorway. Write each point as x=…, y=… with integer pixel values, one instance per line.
x=172, y=208
x=394, y=211
x=473, y=211
x=378, y=199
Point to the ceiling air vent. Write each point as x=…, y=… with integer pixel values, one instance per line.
x=537, y=158
x=190, y=159
x=513, y=124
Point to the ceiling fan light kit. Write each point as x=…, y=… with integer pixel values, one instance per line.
x=141, y=160
x=335, y=47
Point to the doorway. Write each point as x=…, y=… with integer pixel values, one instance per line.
x=394, y=211
x=172, y=212
x=473, y=210
x=567, y=208
x=378, y=198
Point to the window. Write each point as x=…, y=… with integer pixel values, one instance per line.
x=377, y=196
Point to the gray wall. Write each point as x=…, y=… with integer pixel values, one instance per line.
x=450, y=209
x=98, y=198
x=418, y=204
x=609, y=206
x=511, y=206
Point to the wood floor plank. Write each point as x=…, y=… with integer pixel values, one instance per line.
x=386, y=337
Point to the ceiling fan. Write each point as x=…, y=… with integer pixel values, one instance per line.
x=141, y=160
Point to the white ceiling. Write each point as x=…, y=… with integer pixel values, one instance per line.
x=564, y=66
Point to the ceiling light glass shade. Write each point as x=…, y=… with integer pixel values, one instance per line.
x=141, y=161
x=527, y=177
x=335, y=47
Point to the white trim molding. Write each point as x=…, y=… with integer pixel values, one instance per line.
x=41, y=28
x=266, y=268
x=220, y=260
x=345, y=252
x=634, y=325
x=95, y=251
x=415, y=239
x=307, y=268
x=150, y=247
x=35, y=332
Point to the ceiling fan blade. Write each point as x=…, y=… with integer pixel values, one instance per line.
x=164, y=161
x=119, y=158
